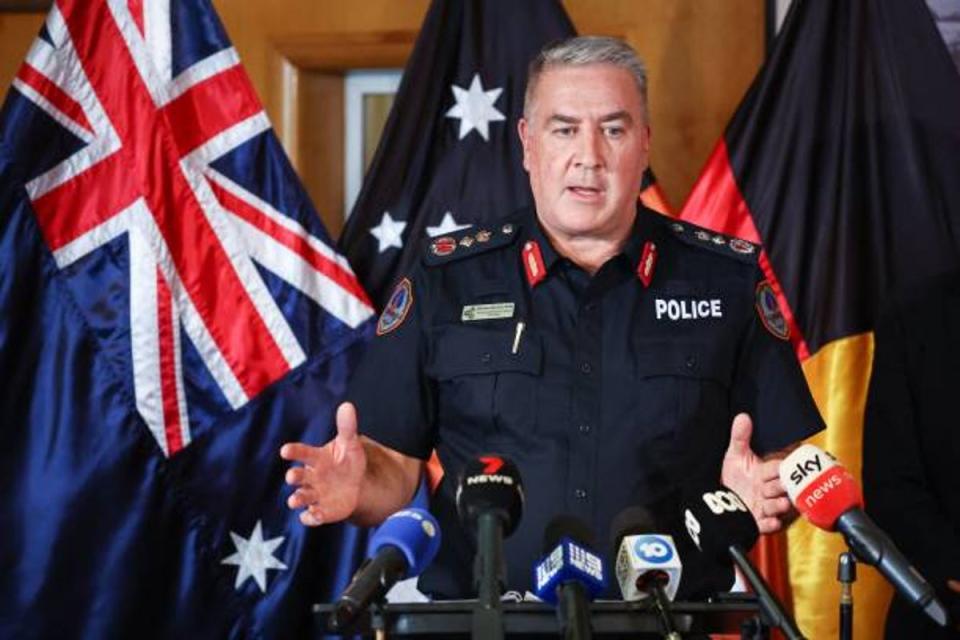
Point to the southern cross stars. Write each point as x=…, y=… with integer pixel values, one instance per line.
x=254, y=556
x=475, y=108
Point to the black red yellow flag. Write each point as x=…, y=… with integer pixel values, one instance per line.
x=842, y=161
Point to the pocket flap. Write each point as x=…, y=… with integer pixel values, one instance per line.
x=461, y=350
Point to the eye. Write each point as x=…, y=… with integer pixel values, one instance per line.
x=614, y=131
x=563, y=132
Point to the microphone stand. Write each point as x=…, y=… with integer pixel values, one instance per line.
x=653, y=582
x=771, y=609
x=574, y=616
x=846, y=575
x=489, y=572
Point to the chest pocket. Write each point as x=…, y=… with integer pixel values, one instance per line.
x=684, y=399
x=486, y=394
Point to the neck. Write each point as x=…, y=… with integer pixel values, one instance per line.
x=589, y=251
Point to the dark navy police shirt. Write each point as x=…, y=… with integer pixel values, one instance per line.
x=620, y=388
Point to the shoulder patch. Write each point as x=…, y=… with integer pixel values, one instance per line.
x=469, y=242
x=397, y=307
x=717, y=242
x=769, y=311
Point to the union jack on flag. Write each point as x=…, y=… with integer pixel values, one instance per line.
x=164, y=280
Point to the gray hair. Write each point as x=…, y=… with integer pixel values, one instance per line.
x=584, y=50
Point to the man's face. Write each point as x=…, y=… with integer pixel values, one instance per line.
x=585, y=147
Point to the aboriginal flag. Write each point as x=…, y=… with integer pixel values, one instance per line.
x=450, y=156
x=842, y=161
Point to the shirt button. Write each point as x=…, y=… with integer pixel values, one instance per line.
x=590, y=306
x=585, y=429
x=586, y=368
x=486, y=358
x=580, y=494
x=691, y=362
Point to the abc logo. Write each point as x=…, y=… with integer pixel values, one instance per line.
x=720, y=502
x=653, y=549
x=693, y=527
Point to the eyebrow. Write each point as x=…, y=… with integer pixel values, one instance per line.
x=616, y=115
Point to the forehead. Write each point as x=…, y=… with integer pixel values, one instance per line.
x=585, y=91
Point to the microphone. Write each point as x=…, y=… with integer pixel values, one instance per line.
x=490, y=501
x=828, y=496
x=570, y=574
x=647, y=564
x=402, y=547
x=722, y=527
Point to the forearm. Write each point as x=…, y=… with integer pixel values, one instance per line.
x=389, y=482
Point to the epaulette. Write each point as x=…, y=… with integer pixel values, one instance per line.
x=469, y=242
x=699, y=237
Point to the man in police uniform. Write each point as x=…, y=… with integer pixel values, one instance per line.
x=604, y=348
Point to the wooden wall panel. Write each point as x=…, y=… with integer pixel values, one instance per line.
x=701, y=54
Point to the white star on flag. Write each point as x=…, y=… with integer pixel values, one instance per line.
x=388, y=233
x=254, y=556
x=447, y=225
x=475, y=108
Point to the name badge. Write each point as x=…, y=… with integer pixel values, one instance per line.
x=492, y=311
x=687, y=309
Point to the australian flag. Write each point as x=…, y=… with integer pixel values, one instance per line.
x=172, y=311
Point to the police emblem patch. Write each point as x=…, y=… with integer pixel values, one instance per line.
x=397, y=307
x=741, y=246
x=443, y=246
x=769, y=311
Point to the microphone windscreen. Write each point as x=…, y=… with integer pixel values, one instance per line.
x=567, y=526
x=490, y=483
x=634, y=520
x=715, y=518
x=818, y=486
x=415, y=533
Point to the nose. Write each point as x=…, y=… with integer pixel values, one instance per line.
x=590, y=150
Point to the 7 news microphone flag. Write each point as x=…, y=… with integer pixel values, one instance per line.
x=449, y=156
x=841, y=161
x=172, y=312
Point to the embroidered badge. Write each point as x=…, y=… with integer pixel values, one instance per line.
x=466, y=241
x=490, y=311
x=648, y=260
x=719, y=240
x=702, y=235
x=443, y=246
x=769, y=310
x=533, y=263
x=397, y=307
x=677, y=227
x=741, y=246
x=483, y=235
x=507, y=229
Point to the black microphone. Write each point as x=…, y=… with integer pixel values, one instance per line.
x=722, y=527
x=400, y=548
x=490, y=502
x=570, y=574
x=647, y=563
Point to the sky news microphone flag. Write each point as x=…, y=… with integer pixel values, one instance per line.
x=172, y=312
x=449, y=155
x=841, y=160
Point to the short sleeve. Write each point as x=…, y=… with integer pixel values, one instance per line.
x=394, y=399
x=769, y=384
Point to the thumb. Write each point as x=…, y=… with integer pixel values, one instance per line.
x=740, y=434
x=346, y=423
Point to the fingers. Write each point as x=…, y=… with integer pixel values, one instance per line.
x=772, y=488
x=346, y=421
x=299, y=452
x=740, y=434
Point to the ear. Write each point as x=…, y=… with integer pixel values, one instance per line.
x=647, y=133
x=523, y=130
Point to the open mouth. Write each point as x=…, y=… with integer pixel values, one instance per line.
x=585, y=191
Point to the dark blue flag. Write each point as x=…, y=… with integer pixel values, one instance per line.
x=450, y=155
x=172, y=311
